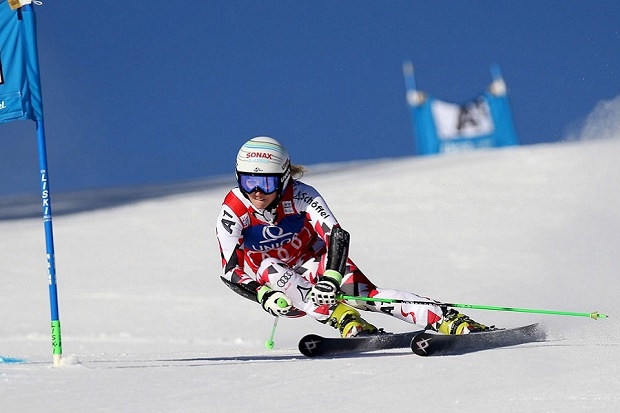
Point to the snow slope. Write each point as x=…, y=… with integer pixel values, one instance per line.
x=148, y=327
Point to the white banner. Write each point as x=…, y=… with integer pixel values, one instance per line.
x=468, y=121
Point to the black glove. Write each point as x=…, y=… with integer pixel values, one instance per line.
x=325, y=291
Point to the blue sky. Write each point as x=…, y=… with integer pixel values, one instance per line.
x=154, y=92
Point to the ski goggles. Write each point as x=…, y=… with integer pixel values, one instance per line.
x=267, y=184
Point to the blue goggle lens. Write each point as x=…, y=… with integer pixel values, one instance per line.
x=265, y=184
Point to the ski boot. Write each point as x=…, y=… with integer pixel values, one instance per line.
x=456, y=323
x=349, y=322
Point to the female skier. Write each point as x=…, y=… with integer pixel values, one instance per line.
x=282, y=247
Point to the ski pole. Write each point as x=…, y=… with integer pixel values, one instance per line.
x=269, y=343
x=594, y=315
x=282, y=303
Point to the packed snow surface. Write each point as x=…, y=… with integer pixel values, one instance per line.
x=147, y=326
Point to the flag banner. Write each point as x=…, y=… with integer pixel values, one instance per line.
x=462, y=121
x=20, y=98
x=442, y=127
x=20, y=91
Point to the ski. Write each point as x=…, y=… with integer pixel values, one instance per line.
x=314, y=345
x=434, y=344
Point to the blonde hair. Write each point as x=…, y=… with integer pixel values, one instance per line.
x=297, y=171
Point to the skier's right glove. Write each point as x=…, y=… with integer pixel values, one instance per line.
x=274, y=302
x=325, y=291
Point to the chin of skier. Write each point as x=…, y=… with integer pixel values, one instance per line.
x=282, y=246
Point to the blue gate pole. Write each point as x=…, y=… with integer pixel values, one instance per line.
x=49, y=245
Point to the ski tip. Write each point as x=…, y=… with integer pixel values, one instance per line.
x=534, y=332
x=538, y=332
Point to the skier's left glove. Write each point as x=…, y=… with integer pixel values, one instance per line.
x=325, y=291
x=274, y=302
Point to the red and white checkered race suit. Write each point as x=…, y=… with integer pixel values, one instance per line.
x=285, y=248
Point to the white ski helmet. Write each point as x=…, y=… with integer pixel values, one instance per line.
x=264, y=156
